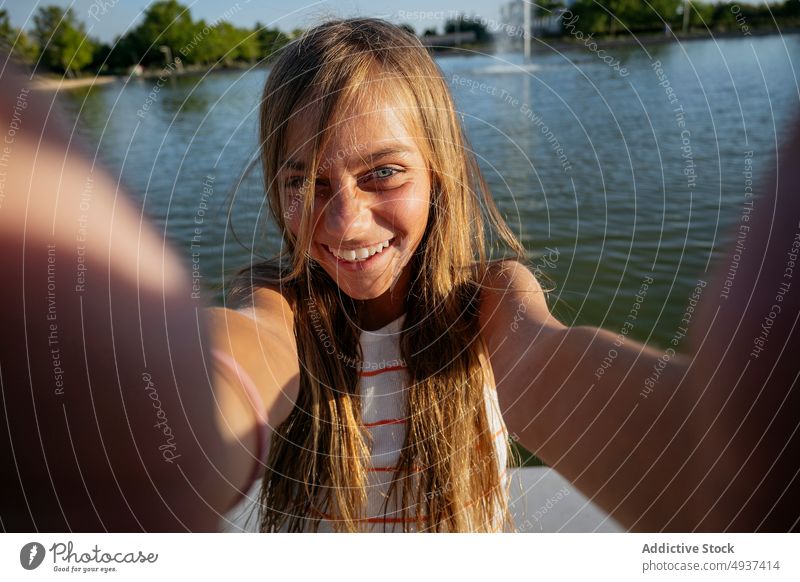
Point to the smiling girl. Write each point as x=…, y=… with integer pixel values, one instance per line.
x=386, y=220
x=372, y=374
x=396, y=423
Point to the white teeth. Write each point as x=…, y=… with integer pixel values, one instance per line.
x=359, y=254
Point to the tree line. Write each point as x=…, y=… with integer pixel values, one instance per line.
x=634, y=16
x=59, y=42
x=623, y=17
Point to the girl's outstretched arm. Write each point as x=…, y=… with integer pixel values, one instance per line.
x=705, y=441
x=114, y=415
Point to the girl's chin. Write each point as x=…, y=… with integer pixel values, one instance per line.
x=360, y=293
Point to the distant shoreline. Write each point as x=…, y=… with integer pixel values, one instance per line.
x=52, y=83
x=565, y=43
x=49, y=83
x=41, y=83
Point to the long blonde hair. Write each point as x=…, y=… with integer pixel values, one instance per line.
x=317, y=461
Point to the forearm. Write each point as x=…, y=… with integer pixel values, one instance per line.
x=708, y=440
x=621, y=432
x=110, y=412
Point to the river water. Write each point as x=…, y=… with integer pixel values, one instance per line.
x=623, y=180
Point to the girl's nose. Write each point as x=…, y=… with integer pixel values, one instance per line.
x=346, y=212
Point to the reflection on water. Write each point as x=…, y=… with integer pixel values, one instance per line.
x=621, y=178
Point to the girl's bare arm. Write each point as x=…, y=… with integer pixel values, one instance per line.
x=264, y=348
x=115, y=418
x=704, y=441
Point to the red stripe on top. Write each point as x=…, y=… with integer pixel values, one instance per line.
x=388, y=520
x=386, y=469
x=385, y=421
x=369, y=519
x=329, y=517
x=381, y=371
x=498, y=433
x=494, y=436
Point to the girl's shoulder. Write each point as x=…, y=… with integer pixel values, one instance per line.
x=257, y=303
x=500, y=278
x=261, y=286
x=509, y=292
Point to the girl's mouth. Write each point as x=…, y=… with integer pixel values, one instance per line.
x=363, y=258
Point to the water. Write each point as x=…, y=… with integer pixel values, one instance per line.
x=605, y=179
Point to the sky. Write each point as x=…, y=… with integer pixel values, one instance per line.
x=106, y=19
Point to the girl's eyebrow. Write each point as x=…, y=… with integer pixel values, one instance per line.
x=293, y=165
x=384, y=152
x=372, y=157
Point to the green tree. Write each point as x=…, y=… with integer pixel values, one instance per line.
x=100, y=59
x=208, y=44
x=270, y=40
x=722, y=18
x=123, y=54
x=587, y=16
x=228, y=43
x=463, y=23
x=408, y=28
x=654, y=17
x=16, y=42
x=248, y=49
x=790, y=9
x=613, y=16
x=543, y=7
x=701, y=15
x=8, y=35
x=169, y=24
x=65, y=46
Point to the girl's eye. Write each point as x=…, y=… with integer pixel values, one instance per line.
x=294, y=183
x=297, y=186
x=382, y=174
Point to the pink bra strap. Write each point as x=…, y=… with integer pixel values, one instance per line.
x=257, y=404
x=247, y=382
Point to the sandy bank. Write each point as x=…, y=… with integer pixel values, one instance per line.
x=58, y=83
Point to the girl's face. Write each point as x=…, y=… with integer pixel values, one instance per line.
x=370, y=207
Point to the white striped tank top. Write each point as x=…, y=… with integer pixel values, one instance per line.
x=383, y=384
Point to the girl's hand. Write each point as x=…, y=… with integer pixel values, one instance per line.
x=106, y=374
